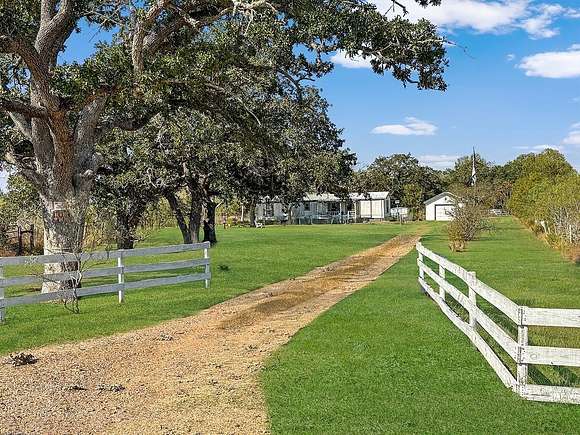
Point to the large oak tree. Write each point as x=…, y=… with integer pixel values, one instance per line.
x=59, y=110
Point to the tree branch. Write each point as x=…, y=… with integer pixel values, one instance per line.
x=126, y=124
x=85, y=130
x=141, y=28
x=35, y=64
x=47, y=9
x=21, y=108
x=51, y=30
x=22, y=124
x=29, y=172
x=196, y=16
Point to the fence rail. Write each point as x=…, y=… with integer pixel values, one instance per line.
x=78, y=274
x=520, y=351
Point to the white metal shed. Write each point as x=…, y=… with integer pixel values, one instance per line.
x=373, y=205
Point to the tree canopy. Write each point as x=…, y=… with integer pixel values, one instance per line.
x=396, y=173
x=167, y=54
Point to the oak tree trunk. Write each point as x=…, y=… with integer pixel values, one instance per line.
x=190, y=227
x=64, y=225
x=209, y=234
x=181, y=222
x=252, y=213
x=125, y=232
x=195, y=215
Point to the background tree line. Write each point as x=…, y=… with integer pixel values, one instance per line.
x=541, y=189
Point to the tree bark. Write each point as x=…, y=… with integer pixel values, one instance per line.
x=195, y=215
x=125, y=232
x=181, y=223
x=209, y=233
x=252, y=213
x=64, y=225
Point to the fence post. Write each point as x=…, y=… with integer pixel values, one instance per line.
x=522, y=370
x=441, y=288
x=207, y=269
x=121, y=277
x=473, y=299
x=421, y=272
x=2, y=308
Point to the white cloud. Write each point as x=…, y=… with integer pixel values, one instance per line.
x=553, y=64
x=498, y=16
x=540, y=148
x=342, y=59
x=439, y=161
x=412, y=127
x=479, y=15
x=510, y=57
x=540, y=25
x=573, y=137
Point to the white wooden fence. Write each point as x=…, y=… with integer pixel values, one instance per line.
x=520, y=351
x=92, y=272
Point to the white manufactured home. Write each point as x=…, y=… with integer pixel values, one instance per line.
x=440, y=207
x=327, y=208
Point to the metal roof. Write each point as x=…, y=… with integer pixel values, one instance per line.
x=439, y=196
x=329, y=197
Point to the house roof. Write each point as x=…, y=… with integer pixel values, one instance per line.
x=329, y=197
x=441, y=195
x=370, y=195
x=321, y=197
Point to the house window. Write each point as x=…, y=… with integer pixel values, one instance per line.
x=307, y=206
x=333, y=207
x=269, y=210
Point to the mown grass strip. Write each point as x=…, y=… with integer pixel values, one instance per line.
x=386, y=360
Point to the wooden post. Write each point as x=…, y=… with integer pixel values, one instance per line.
x=441, y=288
x=473, y=299
x=19, y=233
x=522, y=370
x=2, y=308
x=207, y=269
x=421, y=272
x=31, y=239
x=121, y=277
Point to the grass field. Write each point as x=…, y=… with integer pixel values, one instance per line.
x=514, y=262
x=517, y=264
x=244, y=259
x=386, y=360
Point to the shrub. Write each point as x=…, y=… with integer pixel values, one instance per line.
x=470, y=218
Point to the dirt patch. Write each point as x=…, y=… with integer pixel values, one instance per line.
x=199, y=374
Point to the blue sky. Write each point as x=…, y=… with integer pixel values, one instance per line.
x=513, y=86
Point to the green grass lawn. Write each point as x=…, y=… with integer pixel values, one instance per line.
x=514, y=262
x=245, y=259
x=386, y=360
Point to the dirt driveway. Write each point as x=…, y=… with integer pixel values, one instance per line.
x=198, y=374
